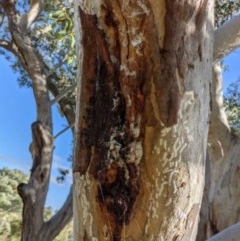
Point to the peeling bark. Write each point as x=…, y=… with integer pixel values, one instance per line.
x=142, y=113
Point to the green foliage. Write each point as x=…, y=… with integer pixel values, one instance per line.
x=62, y=174
x=11, y=206
x=9, y=199
x=232, y=105
x=53, y=37
x=224, y=10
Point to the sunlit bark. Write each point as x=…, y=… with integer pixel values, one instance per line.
x=226, y=38
x=34, y=193
x=142, y=118
x=220, y=207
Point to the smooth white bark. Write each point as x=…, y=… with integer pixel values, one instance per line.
x=226, y=38
x=219, y=141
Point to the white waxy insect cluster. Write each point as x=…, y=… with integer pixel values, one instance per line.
x=115, y=146
x=143, y=6
x=136, y=146
x=134, y=149
x=116, y=101
x=135, y=152
x=137, y=42
x=127, y=71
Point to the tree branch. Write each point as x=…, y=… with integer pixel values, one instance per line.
x=60, y=219
x=34, y=192
x=63, y=102
x=219, y=140
x=6, y=45
x=226, y=38
x=62, y=131
x=63, y=93
x=29, y=18
x=11, y=47
x=231, y=233
x=218, y=111
x=33, y=64
x=56, y=67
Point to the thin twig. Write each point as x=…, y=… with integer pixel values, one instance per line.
x=62, y=94
x=62, y=131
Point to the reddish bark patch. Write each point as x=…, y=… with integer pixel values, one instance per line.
x=118, y=194
x=175, y=60
x=104, y=127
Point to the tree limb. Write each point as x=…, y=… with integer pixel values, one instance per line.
x=60, y=219
x=226, y=38
x=12, y=48
x=63, y=102
x=6, y=45
x=63, y=93
x=219, y=140
x=29, y=18
x=49, y=73
x=34, y=192
x=34, y=66
x=62, y=131
x=231, y=233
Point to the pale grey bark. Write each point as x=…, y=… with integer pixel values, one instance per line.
x=226, y=38
x=222, y=188
x=29, y=18
x=220, y=201
x=218, y=140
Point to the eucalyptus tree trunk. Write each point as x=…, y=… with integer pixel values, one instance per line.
x=220, y=207
x=142, y=118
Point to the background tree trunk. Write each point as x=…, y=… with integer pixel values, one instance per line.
x=34, y=193
x=142, y=118
x=220, y=208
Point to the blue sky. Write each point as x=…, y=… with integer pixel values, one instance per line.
x=17, y=112
x=232, y=62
